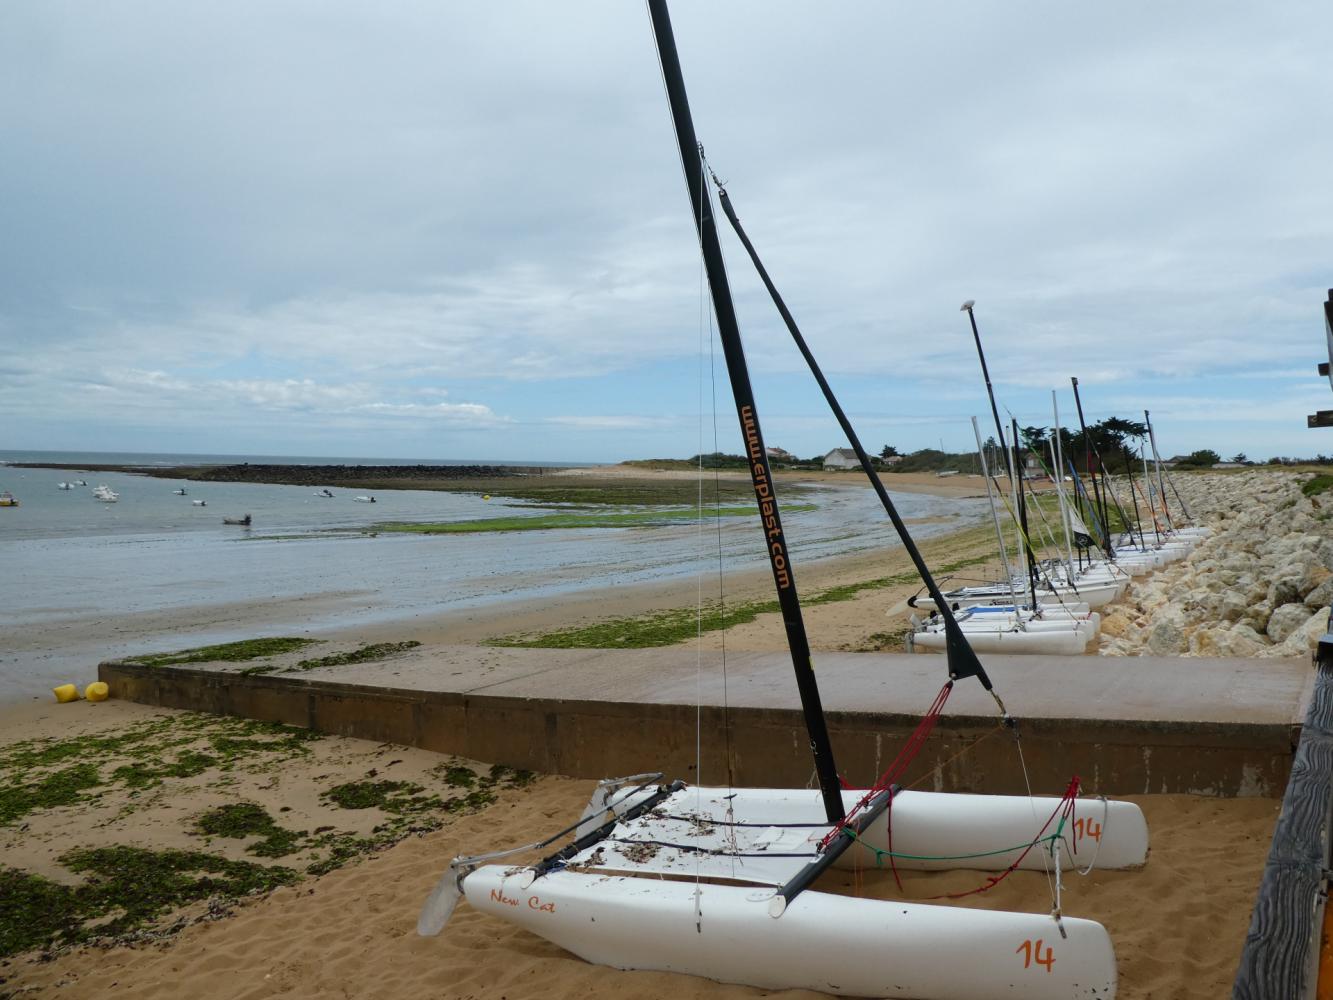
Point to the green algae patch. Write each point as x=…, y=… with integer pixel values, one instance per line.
x=227, y=652
x=455, y=775
x=145, y=774
x=239, y=820
x=58, y=788
x=578, y=519
x=125, y=889
x=389, y=796
x=365, y=654
x=666, y=628
x=53, y=772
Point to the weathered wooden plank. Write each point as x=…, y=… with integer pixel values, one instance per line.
x=1279, y=960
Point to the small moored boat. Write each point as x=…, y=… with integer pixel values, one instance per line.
x=245, y=521
x=105, y=494
x=179, y=493
x=8, y=499
x=324, y=493
x=199, y=503
x=364, y=499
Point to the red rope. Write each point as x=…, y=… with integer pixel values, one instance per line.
x=900, y=763
x=888, y=832
x=1064, y=809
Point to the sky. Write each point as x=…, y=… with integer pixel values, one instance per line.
x=460, y=230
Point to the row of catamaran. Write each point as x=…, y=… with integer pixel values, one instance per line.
x=721, y=882
x=1051, y=607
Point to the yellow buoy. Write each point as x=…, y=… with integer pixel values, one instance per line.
x=97, y=691
x=66, y=692
x=485, y=496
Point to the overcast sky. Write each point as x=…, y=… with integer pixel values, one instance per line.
x=459, y=230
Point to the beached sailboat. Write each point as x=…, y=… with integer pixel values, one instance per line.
x=717, y=882
x=1060, y=626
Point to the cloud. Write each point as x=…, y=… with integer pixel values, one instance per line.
x=473, y=215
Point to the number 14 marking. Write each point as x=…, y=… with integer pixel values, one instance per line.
x=1033, y=955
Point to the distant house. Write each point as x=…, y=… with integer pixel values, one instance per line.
x=891, y=460
x=841, y=458
x=779, y=455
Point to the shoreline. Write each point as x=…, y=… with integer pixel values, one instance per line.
x=494, y=478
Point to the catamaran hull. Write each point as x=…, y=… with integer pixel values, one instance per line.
x=834, y=944
x=1096, y=588
x=1063, y=638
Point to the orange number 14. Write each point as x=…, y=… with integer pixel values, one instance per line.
x=1087, y=828
x=1033, y=955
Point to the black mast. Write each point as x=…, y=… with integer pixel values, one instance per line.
x=1157, y=458
x=1087, y=456
x=967, y=307
x=1133, y=495
x=760, y=474
x=1023, y=524
x=962, y=661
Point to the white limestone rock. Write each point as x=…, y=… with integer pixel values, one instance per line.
x=1285, y=620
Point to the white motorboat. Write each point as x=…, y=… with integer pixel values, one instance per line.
x=105, y=494
x=366, y=499
x=64, y=486
x=324, y=493
x=178, y=493
x=198, y=503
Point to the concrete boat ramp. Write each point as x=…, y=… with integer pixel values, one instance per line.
x=1129, y=725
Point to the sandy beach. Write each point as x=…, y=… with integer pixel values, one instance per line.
x=351, y=932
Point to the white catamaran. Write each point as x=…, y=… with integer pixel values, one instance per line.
x=719, y=882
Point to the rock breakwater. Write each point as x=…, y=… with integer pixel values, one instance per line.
x=1259, y=585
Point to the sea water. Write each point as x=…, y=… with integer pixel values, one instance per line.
x=88, y=581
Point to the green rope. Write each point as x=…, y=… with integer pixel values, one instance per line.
x=880, y=855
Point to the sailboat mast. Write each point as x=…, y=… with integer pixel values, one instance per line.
x=1149, y=488
x=995, y=519
x=1134, y=495
x=1162, y=477
x=1023, y=522
x=1087, y=457
x=1058, y=459
x=967, y=307
x=747, y=413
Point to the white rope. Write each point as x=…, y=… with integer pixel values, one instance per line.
x=1032, y=802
